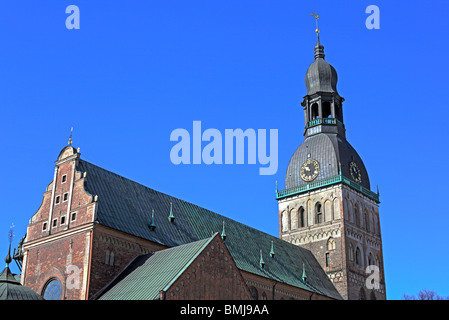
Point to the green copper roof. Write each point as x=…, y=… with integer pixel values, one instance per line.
x=126, y=206
x=148, y=274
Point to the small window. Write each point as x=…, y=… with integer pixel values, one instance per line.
x=319, y=215
x=109, y=259
x=358, y=258
x=351, y=252
x=44, y=226
x=62, y=219
x=64, y=178
x=73, y=216
x=327, y=260
x=331, y=244
x=58, y=199
x=55, y=222
x=301, y=220
x=66, y=196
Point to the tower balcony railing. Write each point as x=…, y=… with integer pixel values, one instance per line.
x=327, y=182
x=319, y=121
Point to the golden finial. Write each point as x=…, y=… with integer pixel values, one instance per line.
x=70, y=137
x=316, y=16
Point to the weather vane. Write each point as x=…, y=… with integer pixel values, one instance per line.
x=70, y=137
x=11, y=233
x=316, y=16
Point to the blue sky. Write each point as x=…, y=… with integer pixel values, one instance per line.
x=137, y=70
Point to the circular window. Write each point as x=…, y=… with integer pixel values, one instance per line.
x=52, y=290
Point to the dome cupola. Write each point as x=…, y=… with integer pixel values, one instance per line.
x=321, y=76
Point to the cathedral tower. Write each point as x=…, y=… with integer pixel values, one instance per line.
x=327, y=205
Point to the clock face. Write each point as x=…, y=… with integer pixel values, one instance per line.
x=356, y=174
x=309, y=170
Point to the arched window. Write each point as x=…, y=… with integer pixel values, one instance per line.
x=285, y=221
x=109, y=258
x=301, y=218
x=358, y=257
x=264, y=296
x=52, y=290
x=370, y=259
x=357, y=216
x=366, y=217
x=318, y=213
x=315, y=114
x=331, y=244
x=327, y=113
x=254, y=292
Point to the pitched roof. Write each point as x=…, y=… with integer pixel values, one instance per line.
x=146, y=275
x=126, y=205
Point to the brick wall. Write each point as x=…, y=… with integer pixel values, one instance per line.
x=213, y=275
x=112, y=250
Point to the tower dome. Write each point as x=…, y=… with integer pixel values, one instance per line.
x=321, y=76
x=333, y=155
x=325, y=156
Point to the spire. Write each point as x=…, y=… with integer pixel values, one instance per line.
x=272, y=250
x=223, y=233
x=317, y=16
x=8, y=256
x=171, y=217
x=261, y=262
x=152, y=225
x=319, y=49
x=70, y=137
x=10, y=236
x=304, y=277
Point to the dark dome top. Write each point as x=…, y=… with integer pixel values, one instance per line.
x=320, y=76
x=329, y=150
x=11, y=289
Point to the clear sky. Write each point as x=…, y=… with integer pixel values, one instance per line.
x=137, y=70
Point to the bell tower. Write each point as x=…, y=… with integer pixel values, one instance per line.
x=327, y=205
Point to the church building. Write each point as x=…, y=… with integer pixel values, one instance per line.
x=98, y=235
